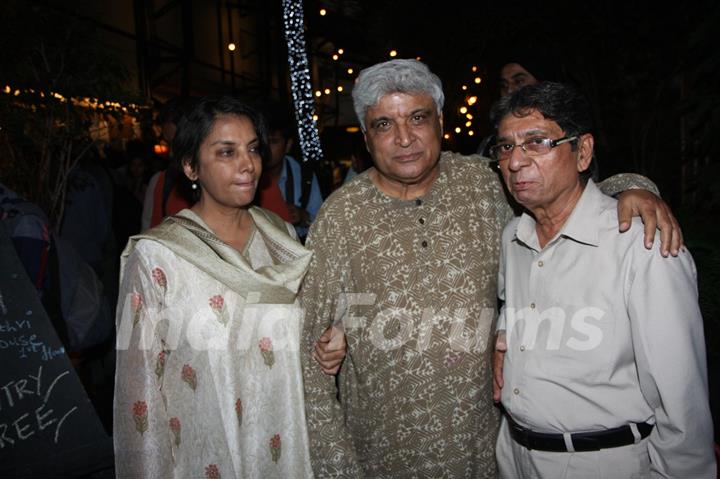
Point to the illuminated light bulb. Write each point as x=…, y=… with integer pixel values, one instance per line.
x=458, y=129
x=446, y=136
x=464, y=87
x=315, y=118
x=474, y=68
x=393, y=53
x=339, y=88
x=478, y=79
x=468, y=124
x=340, y=51
x=323, y=12
x=469, y=116
x=335, y=57
x=472, y=100
x=350, y=71
x=231, y=47
x=327, y=91
x=463, y=109
x=318, y=93
x=471, y=133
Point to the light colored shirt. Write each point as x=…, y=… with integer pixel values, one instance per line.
x=603, y=332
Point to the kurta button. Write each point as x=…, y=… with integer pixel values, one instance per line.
x=540, y=263
x=522, y=348
x=422, y=221
x=532, y=305
x=516, y=391
x=418, y=201
x=424, y=244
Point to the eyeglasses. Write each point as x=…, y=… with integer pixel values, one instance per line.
x=535, y=146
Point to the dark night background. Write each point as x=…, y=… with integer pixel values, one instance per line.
x=652, y=74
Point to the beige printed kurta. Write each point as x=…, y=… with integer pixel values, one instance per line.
x=414, y=284
x=416, y=384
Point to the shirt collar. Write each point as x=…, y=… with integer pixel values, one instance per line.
x=582, y=225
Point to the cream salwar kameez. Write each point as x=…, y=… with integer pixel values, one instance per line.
x=209, y=381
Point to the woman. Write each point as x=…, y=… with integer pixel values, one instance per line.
x=208, y=376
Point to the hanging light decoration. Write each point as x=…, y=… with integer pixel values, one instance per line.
x=300, y=80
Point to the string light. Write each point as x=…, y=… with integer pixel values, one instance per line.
x=335, y=57
x=474, y=68
x=350, y=71
x=231, y=47
x=478, y=80
x=446, y=136
x=463, y=109
x=323, y=12
x=340, y=51
x=339, y=88
x=327, y=91
x=458, y=129
x=300, y=80
x=471, y=101
x=471, y=133
x=393, y=53
x=82, y=102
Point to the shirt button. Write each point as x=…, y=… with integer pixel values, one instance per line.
x=424, y=244
x=532, y=305
x=540, y=264
x=522, y=348
x=422, y=221
x=418, y=201
x=516, y=391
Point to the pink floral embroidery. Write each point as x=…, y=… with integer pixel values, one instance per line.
x=140, y=415
x=160, y=364
x=275, y=447
x=136, y=303
x=265, y=345
x=217, y=304
x=175, y=429
x=159, y=276
x=238, y=411
x=188, y=375
x=212, y=472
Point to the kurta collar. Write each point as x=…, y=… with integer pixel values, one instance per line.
x=437, y=186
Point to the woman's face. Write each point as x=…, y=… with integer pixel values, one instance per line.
x=229, y=163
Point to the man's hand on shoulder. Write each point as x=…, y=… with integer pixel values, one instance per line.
x=655, y=214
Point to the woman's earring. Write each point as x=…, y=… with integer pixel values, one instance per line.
x=194, y=185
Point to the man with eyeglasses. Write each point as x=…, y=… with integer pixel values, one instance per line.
x=604, y=356
x=405, y=257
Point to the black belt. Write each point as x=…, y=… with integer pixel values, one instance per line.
x=581, y=441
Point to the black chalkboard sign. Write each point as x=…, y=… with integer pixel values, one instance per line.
x=48, y=427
